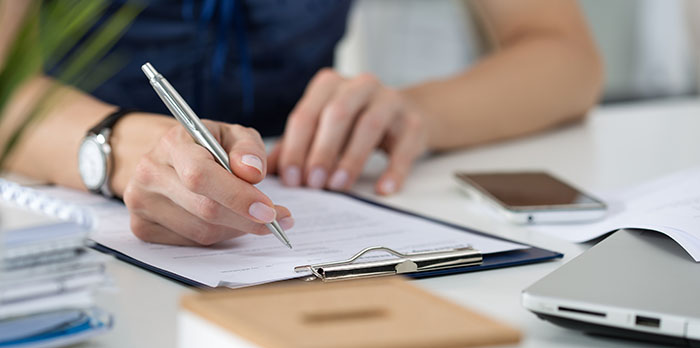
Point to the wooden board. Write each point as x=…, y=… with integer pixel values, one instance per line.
x=384, y=312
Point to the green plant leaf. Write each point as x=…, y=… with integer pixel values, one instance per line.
x=45, y=40
x=99, y=43
x=23, y=58
x=65, y=23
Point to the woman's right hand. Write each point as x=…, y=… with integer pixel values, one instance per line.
x=178, y=193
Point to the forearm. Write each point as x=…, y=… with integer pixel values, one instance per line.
x=49, y=149
x=529, y=85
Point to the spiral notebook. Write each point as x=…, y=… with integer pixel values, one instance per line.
x=329, y=227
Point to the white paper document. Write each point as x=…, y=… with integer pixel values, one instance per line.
x=329, y=227
x=670, y=205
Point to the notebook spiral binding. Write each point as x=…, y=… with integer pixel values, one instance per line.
x=33, y=200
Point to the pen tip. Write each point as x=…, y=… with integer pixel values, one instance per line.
x=278, y=231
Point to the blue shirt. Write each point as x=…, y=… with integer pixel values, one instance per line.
x=237, y=61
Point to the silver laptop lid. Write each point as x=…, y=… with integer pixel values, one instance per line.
x=629, y=280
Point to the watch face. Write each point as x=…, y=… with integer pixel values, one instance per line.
x=92, y=164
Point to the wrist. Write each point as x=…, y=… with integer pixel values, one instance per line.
x=132, y=137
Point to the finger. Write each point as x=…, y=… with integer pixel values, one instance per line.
x=151, y=232
x=366, y=136
x=285, y=218
x=151, y=205
x=335, y=123
x=211, y=211
x=200, y=206
x=273, y=157
x=407, y=148
x=246, y=152
x=199, y=173
x=152, y=178
x=301, y=125
x=179, y=221
x=167, y=188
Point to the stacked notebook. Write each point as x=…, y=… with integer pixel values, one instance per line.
x=48, y=277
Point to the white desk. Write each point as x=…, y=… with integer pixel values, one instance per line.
x=616, y=146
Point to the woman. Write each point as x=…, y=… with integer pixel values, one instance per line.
x=264, y=65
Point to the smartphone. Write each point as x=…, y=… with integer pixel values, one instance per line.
x=532, y=197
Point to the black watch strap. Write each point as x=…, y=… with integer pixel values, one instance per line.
x=110, y=120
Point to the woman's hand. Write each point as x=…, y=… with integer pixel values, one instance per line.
x=337, y=125
x=179, y=194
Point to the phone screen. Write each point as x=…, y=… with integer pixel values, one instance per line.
x=527, y=189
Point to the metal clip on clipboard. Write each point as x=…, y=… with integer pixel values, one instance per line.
x=403, y=264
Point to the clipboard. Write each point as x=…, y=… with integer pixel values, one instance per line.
x=488, y=261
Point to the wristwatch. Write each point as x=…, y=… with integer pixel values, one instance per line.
x=95, y=154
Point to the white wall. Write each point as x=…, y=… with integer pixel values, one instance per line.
x=646, y=44
x=408, y=41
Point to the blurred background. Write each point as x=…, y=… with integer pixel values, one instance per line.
x=650, y=47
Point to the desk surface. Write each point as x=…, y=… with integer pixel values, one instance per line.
x=616, y=146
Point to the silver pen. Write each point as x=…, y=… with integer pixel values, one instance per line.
x=196, y=128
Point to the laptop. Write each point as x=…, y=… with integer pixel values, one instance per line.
x=634, y=284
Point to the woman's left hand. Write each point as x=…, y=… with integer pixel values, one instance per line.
x=336, y=126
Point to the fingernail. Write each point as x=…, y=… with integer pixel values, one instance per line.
x=292, y=176
x=317, y=178
x=253, y=161
x=287, y=222
x=388, y=186
x=338, y=180
x=262, y=212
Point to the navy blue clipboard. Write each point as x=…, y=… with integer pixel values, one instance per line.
x=490, y=261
